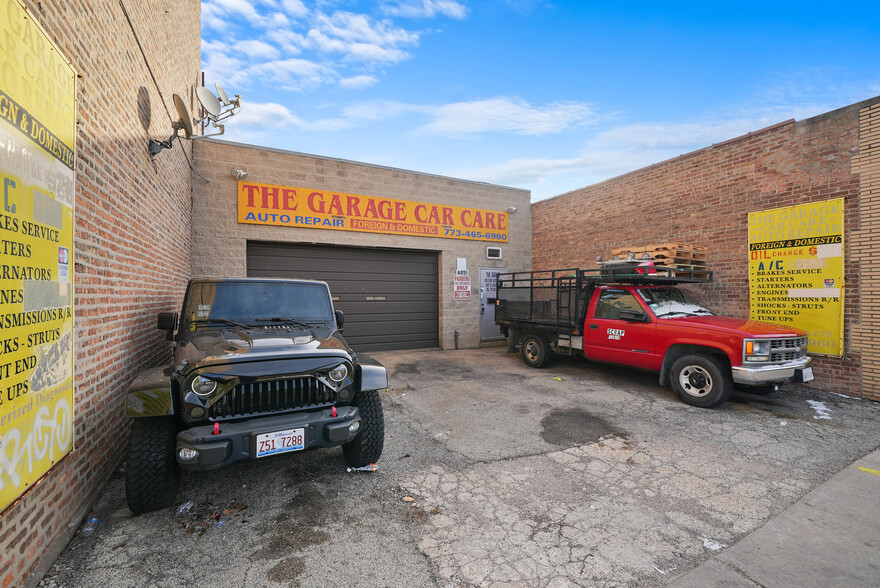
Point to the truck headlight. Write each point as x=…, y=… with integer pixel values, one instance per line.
x=338, y=373
x=203, y=386
x=757, y=350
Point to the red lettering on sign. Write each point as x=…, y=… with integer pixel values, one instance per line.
x=251, y=190
x=289, y=199
x=420, y=209
x=352, y=205
x=502, y=222
x=447, y=215
x=316, y=202
x=267, y=193
x=464, y=218
x=386, y=210
x=335, y=205
x=370, y=212
x=400, y=211
x=490, y=220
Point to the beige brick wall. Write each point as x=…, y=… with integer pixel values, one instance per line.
x=220, y=242
x=864, y=245
x=128, y=217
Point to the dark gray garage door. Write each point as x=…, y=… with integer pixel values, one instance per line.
x=389, y=296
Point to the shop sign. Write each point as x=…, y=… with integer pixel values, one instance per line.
x=267, y=204
x=462, y=285
x=37, y=155
x=796, y=270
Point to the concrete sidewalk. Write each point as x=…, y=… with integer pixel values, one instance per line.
x=830, y=537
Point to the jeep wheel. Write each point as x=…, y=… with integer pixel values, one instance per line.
x=701, y=380
x=151, y=475
x=536, y=351
x=366, y=448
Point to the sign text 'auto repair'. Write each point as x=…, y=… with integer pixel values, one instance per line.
x=266, y=204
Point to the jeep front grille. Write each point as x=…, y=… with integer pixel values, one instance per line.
x=272, y=397
x=790, y=349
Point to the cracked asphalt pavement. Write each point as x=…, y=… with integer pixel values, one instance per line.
x=494, y=474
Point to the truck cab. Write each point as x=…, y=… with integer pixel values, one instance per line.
x=647, y=322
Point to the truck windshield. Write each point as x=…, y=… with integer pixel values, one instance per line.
x=253, y=303
x=667, y=302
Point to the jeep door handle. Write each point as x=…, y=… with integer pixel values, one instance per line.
x=594, y=326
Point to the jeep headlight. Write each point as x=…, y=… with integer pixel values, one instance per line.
x=338, y=373
x=203, y=386
x=757, y=350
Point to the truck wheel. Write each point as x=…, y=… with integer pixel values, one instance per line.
x=536, y=351
x=366, y=448
x=152, y=474
x=701, y=380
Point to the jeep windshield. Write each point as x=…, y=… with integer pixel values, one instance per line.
x=257, y=303
x=669, y=302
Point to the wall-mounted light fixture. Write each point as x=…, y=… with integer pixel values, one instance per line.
x=238, y=174
x=511, y=210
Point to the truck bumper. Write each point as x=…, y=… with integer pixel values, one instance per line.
x=237, y=441
x=771, y=374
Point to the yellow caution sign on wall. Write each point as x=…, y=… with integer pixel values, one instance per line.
x=796, y=270
x=37, y=158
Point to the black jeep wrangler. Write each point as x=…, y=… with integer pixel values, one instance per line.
x=259, y=369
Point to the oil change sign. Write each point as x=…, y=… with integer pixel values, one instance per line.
x=37, y=154
x=266, y=204
x=796, y=271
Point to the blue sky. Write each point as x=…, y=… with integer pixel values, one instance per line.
x=546, y=96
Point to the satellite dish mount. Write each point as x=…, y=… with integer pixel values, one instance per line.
x=183, y=123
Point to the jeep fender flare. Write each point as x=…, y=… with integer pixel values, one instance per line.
x=680, y=349
x=150, y=394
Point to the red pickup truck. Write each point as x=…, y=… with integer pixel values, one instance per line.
x=644, y=321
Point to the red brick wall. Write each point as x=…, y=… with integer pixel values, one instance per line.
x=704, y=198
x=132, y=244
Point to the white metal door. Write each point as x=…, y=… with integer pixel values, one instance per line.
x=488, y=329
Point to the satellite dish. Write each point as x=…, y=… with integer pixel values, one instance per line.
x=184, y=121
x=209, y=102
x=224, y=99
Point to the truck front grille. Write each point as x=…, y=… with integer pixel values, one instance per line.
x=272, y=397
x=790, y=349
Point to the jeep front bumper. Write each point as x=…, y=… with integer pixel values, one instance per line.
x=236, y=441
x=771, y=374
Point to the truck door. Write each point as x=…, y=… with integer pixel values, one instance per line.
x=613, y=339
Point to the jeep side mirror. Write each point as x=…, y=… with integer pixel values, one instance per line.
x=634, y=316
x=167, y=322
x=339, y=319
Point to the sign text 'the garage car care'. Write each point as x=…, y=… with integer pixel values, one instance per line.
x=266, y=204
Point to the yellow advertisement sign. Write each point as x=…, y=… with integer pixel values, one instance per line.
x=796, y=271
x=37, y=155
x=266, y=204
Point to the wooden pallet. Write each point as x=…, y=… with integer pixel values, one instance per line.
x=679, y=252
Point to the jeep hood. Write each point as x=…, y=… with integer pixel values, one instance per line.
x=742, y=327
x=205, y=347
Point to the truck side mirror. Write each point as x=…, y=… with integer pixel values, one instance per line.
x=167, y=321
x=634, y=316
x=339, y=319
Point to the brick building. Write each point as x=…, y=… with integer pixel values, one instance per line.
x=705, y=197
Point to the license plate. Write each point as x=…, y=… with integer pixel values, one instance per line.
x=806, y=374
x=281, y=442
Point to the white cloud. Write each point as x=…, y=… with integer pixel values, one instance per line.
x=358, y=82
x=266, y=116
x=296, y=74
x=503, y=114
x=425, y=9
x=257, y=49
x=360, y=38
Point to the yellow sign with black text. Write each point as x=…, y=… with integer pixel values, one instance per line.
x=37, y=160
x=796, y=270
x=267, y=204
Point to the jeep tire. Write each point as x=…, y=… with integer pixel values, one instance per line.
x=152, y=474
x=536, y=351
x=366, y=447
x=701, y=380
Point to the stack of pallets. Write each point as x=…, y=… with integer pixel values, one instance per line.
x=681, y=258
